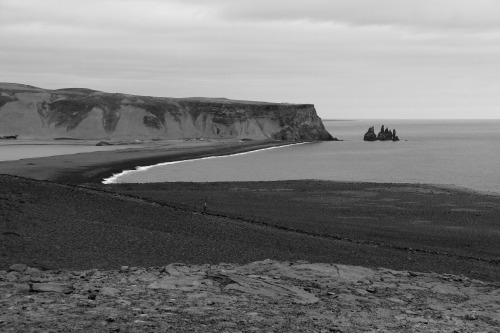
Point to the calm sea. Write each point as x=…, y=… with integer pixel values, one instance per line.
x=464, y=153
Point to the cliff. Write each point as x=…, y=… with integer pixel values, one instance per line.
x=32, y=112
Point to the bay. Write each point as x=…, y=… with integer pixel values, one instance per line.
x=464, y=153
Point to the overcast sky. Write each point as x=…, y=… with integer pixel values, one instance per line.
x=351, y=58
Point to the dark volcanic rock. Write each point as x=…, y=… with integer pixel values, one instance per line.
x=370, y=135
x=394, y=136
x=385, y=134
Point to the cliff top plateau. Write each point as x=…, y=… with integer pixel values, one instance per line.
x=81, y=113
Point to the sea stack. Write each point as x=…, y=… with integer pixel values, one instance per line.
x=370, y=135
x=394, y=136
x=385, y=134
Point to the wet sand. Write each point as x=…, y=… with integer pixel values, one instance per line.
x=95, y=166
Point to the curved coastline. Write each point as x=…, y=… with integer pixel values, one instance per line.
x=93, y=167
x=104, y=167
x=114, y=177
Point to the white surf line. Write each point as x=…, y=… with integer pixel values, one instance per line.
x=116, y=176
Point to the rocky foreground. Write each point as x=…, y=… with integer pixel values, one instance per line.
x=265, y=296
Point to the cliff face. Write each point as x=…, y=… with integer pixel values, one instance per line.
x=32, y=112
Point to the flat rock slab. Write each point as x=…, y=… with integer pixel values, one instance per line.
x=274, y=290
x=185, y=283
x=261, y=296
x=51, y=287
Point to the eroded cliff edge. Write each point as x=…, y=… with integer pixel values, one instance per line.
x=32, y=112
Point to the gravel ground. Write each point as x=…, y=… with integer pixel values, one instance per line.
x=401, y=226
x=49, y=225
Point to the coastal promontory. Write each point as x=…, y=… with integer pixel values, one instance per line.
x=78, y=113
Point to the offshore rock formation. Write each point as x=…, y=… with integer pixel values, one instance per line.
x=370, y=135
x=32, y=112
x=385, y=134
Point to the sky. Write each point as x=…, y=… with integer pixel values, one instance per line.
x=352, y=59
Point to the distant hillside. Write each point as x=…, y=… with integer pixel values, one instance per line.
x=36, y=113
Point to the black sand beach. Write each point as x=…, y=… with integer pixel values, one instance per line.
x=55, y=224
x=95, y=166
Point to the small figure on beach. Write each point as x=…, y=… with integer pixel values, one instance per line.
x=205, y=208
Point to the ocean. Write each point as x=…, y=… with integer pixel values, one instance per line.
x=463, y=153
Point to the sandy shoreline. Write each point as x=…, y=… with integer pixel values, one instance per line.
x=93, y=167
x=115, y=178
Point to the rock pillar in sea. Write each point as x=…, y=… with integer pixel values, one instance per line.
x=394, y=136
x=385, y=134
x=370, y=135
